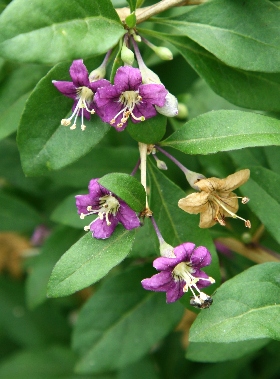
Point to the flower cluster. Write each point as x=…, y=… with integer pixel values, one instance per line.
x=128, y=98
x=108, y=207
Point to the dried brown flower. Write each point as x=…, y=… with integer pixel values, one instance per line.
x=215, y=201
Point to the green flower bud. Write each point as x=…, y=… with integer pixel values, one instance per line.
x=98, y=73
x=163, y=53
x=183, y=111
x=127, y=55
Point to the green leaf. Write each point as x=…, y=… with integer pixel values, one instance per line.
x=139, y=370
x=132, y=5
x=46, y=145
x=177, y=226
x=263, y=190
x=50, y=32
x=219, y=352
x=148, y=131
x=88, y=261
x=14, y=92
x=236, y=32
x=131, y=20
x=224, y=130
x=17, y=215
x=42, y=265
x=127, y=188
x=110, y=333
x=242, y=307
x=110, y=159
x=27, y=364
x=247, y=89
x=66, y=212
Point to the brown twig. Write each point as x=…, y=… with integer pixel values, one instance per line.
x=142, y=14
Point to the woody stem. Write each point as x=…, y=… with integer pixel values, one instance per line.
x=143, y=167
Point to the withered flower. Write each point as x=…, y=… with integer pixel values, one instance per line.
x=215, y=201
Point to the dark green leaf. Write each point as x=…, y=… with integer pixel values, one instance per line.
x=14, y=92
x=88, y=261
x=41, y=268
x=236, y=32
x=50, y=32
x=247, y=89
x=49, y=363
x=132, y=321
x=149, y=131
x=132, y=5
x=66, y=212
x=46, y=145
x=242, y=307
x=16, y=215
x=263, y=190
x=127, y=188
x=139, y=370
x=110, y=159
x=225, y=130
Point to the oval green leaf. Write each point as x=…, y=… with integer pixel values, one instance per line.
x=241, y=308
x=87, y=261
x=50, y=31
x=127, y=188
x=148, y=131
x=225, y=130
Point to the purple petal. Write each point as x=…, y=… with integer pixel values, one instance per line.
x=200, y=257
x=201, y=283
x=128, y=78
x=101, y=230
x=98, y=84
x=165, y=264
x=174, y=293
x=96, y=190
x=161, y=282
x=67, y=88
x=79, y=73
x=82, y=202
x=184, y=251
x=153, y=93
x=127, y=216
x=143, y=109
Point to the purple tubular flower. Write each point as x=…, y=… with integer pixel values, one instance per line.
x=109, y=208
x=181, y=272
x=82, y=91
x=128, y=97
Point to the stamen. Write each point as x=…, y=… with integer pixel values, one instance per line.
x=73, y=127
x=233, y=215
x=65, y=122
x=245, y=200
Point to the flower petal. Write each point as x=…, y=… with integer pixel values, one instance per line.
x=194, y=203
x=128, y=79
x=174, y=293
x=200, y=257
x=66, y=88
x=234, y=181
x=79, y=73
x=230, y=202
x=101, y=230
x=127, y=216
x=82, y=202
x=161, y=282
x=184, y=251
x=165, y=264
x=153, y=93
x=98, y=84
x=143, y=109
x=207, y=218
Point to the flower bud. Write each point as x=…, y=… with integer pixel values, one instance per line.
x=127, y=55
x=170, y=108
x=163, y=53
x=97, y=74
x=183, y=111
x=193, y=177
x=148, y=76
x=161, y=165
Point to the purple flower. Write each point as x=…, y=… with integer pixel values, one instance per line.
x=128, y=97
x=82, y=91
x=181, y=272
x=109, y=208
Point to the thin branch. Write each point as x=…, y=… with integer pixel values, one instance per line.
x=142, y=14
